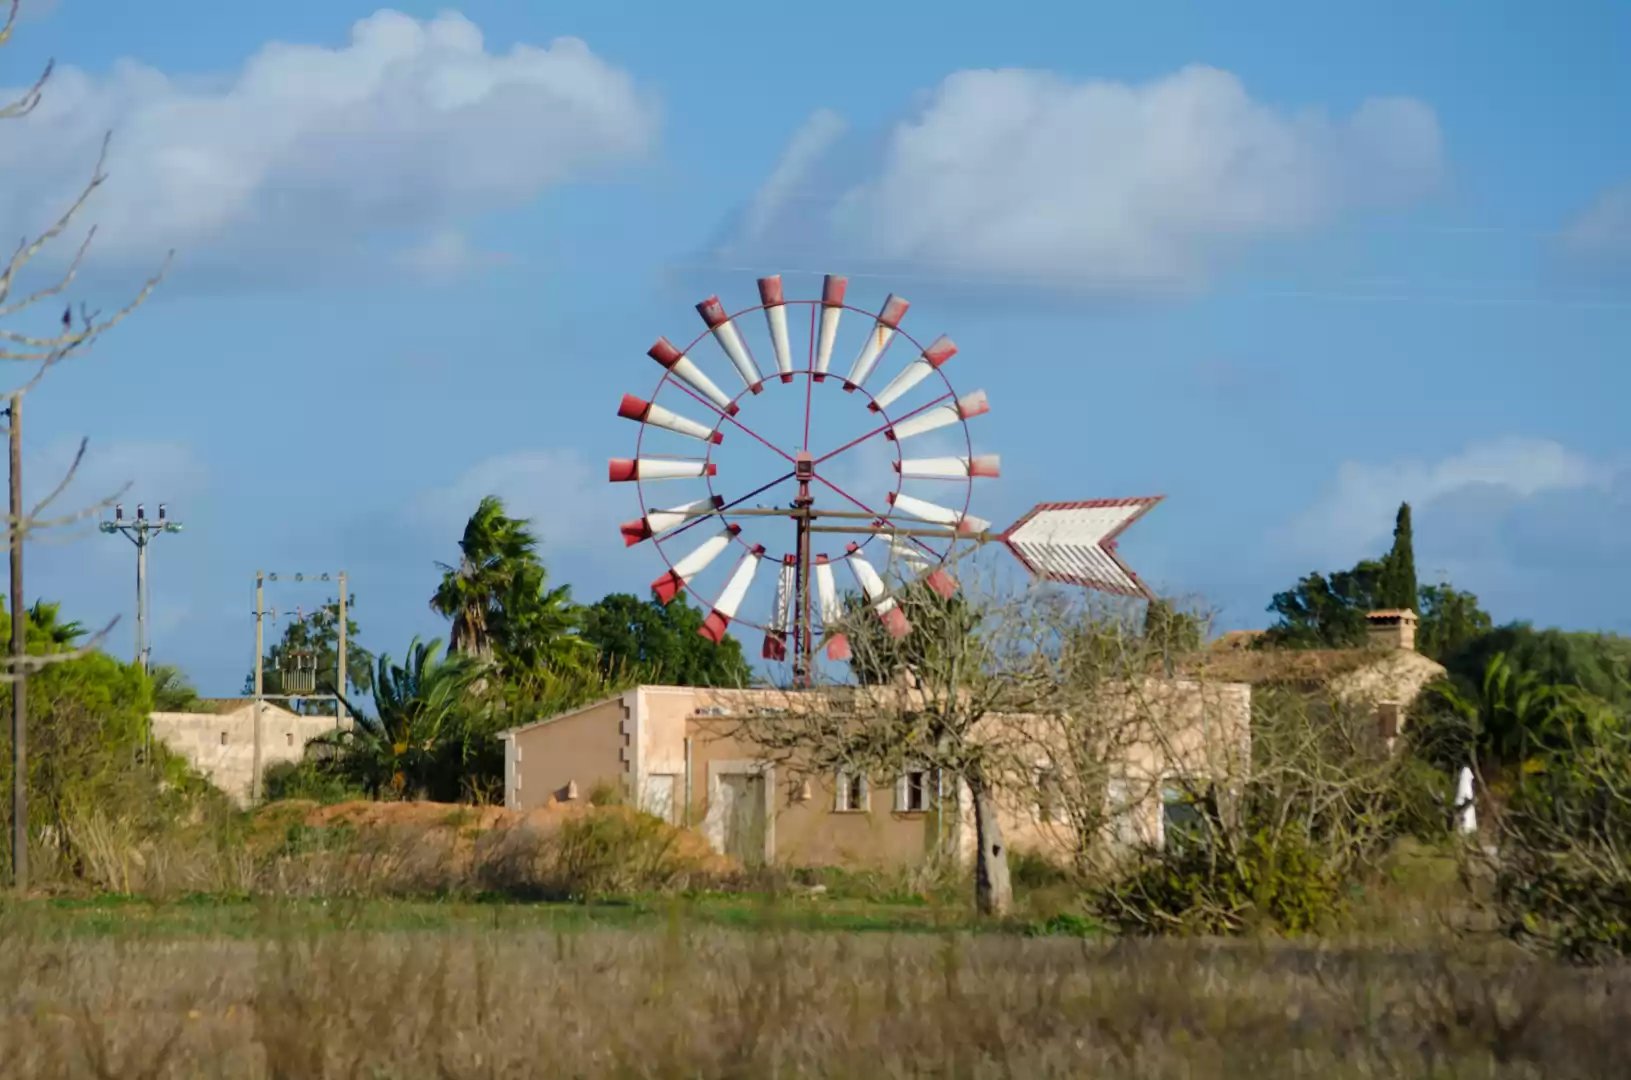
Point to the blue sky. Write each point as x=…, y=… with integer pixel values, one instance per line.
x=1285, y=264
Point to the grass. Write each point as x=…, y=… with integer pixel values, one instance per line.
x=497, y=991
x=137, y=918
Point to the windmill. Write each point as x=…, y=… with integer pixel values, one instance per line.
x=1072, y=542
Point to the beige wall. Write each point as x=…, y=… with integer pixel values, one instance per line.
x=807, y=831
x=588, y=747
x=221, y=746
x=673, y=747
x=1396, y=676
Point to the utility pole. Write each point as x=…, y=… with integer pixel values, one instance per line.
x=261, y=579
x=140, y=532
x=339, y=685
x=260, y=663
x=19, y=650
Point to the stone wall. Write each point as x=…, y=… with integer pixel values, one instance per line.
x=222, y=747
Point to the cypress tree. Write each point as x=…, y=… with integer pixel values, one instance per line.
x=1399, y=576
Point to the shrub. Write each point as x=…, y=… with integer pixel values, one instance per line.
x=1562, y=876
x=1280, y=845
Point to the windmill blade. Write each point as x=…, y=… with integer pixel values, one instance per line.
x=775, y=305
x=940, y=515
x=832, y=610
x=916, y=560
x=832, y=309
x=669, y=585
x=781, y=616
x=736, y=590
x=877, y=342
x=730, y=339
x=964, y=408
x=685, y=369
x=646, y=412
x=876, y=593
x=1075, y=543
x=657, y=522
x=950, y=468
x=624, y=470
x=938, y=352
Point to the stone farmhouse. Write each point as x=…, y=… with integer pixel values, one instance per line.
x=220, y=742
x=683, y=753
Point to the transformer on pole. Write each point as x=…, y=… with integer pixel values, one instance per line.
x=299, y=671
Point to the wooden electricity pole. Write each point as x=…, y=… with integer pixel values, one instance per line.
x=19, y=650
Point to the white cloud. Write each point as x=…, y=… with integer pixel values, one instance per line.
x=567, y=498
x=308, y=150
x=1356, y=512
x=1603, y=228
x=1029, y=176
x=446, y=254
x=782, y=189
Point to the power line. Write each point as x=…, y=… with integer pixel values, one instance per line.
x=1151, y=286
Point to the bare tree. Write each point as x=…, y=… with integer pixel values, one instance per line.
x=31, y=334
x=1117, y=723
x=971, y=689
x=1273, y=834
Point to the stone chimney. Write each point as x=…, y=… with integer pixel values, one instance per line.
x=1391, y=629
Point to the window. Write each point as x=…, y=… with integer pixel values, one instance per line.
x=852, y=791
x=290, y=737
x=1180, y=817
x=912, y=792
x=223, y=738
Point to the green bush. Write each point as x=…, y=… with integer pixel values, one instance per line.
x=1276, y=882
x=615, y=853
x=1562, y=877
x=307, y=780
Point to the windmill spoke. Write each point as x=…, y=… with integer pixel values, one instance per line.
x=725, y=415
x=875, y=432
x=760, y=490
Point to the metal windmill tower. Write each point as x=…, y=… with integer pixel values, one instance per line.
x=1073, y=542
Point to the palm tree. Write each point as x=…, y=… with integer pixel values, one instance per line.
x=1513, y=714
x=46, y=618
x=493, y=552
x=499, y=602
x=172, y=692
x=427, y=731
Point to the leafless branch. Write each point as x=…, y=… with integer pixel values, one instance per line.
x=24, y=104
x=48, y=350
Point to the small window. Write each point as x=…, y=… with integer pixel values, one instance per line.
x=223, y=738
x=1180, y=817
x=912, y=792
x=290, y=736
x=852, y=791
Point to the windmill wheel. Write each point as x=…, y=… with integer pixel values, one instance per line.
x=804, y=462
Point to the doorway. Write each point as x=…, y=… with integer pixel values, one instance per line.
x=742, y=815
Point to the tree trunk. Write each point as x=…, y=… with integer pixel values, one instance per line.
x=993, y=891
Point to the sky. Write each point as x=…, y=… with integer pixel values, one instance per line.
x=1286, y=265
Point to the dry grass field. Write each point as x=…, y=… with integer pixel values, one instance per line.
x=677, y=998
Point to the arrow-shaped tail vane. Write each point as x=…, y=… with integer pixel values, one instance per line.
x=1075, y=543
